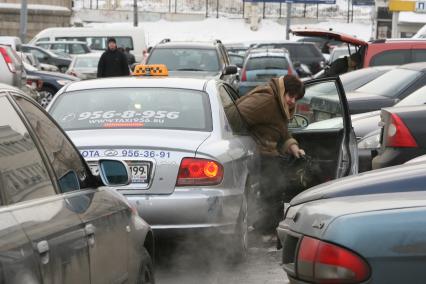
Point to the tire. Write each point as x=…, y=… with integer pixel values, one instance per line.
x=46, y=95
x=146, y=271
x=239, y=241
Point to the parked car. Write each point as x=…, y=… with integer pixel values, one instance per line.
x=11, y=69
x=61, y=224
x=325, y=45
x=52, y=82
x=195, y=59
x=236, y=59
x=85, y=66
x=384, y=91
x=377, y=53
x=13, y=41
x=363, y=229
x=300, y=53
x=191, y=155
x=261, y=65
x=402, y=137
x=46, y=56
x=67, y=47
x=340, y=51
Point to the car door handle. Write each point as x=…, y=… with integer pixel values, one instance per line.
x=43, y=250
x=90, y=233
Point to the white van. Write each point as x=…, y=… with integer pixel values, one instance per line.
x=96, y=37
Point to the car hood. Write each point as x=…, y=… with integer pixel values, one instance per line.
x=329, y=35
x=119, y=138
x=53, y=75
x=402, y=178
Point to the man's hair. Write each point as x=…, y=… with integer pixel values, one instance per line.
x=127, y=49
x=111, y=39
x=294, y=86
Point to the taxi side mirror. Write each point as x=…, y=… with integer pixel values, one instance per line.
x=298, y=121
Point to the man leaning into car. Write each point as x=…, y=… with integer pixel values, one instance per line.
x=267, y=110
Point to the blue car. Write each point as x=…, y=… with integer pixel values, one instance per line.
x=261, y=65
x=369, y=228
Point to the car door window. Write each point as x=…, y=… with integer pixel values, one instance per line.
x=66, y=161
x=23, y=173
x=236, y=122
x=391, y=57
x=77, y=49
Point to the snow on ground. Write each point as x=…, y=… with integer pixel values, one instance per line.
x=234, y=30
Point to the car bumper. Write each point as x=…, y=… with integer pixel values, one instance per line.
x=365, y=157
x=190, y=209
x=395, y=156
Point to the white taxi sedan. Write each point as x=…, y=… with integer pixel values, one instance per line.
x=192, y=160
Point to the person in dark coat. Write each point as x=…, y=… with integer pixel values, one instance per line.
x=130, y=57
x=113, y=62
x=344, y=64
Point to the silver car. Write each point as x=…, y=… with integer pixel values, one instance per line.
x=59, y=223
x=192, y=160
x=85, y=66
x=11, y=69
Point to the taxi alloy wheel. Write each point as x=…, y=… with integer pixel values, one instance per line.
x=146, y=274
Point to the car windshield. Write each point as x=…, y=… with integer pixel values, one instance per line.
x=416, y=98
x=267, y=62
x=142, y=108
x=86, y=62
x=186, y=59
x=390, y=83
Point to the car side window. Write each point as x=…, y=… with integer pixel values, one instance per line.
x=234, y=117
x=23, y=174
x=391, y=57
x=67, y=163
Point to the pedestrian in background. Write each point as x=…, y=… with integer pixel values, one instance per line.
x=113, y=62
x=130, y=57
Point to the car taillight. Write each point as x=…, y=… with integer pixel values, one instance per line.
x=398, y=134
x=244, y=75
x=303, y=108
x=193, y=171
x=7, y=59
x=326, y=263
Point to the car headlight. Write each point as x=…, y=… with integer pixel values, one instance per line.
x=370, y=142
x=63, y=82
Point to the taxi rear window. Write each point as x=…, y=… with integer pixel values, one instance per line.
x=141, y=108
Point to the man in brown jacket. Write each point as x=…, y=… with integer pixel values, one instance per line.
x=267, y=110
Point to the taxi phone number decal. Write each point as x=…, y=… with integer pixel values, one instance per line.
x=160, y=114
x=125, y=153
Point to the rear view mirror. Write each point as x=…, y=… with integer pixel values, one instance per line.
x=114, y=172
x=231, y=69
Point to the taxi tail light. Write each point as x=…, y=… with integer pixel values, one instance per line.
x=398, y=135
x=244, y=75
x=326, y=263
x=7, y=59
x=193, y=171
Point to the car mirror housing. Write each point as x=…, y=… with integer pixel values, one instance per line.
x=298, y=121
x=114, y=172
x=231, y=69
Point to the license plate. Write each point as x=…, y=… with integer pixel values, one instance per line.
x=139, y=171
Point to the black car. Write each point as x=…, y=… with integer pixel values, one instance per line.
x=205, y=59
x=300, y=53
x=48, y=57
x=403, y=135
x=59, y=222
x=385, y=91
x=52, y=82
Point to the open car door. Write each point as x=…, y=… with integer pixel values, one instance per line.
x=327, y=137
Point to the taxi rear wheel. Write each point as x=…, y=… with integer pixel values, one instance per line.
x=146, y=272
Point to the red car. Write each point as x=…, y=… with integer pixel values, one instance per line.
x=378, y=52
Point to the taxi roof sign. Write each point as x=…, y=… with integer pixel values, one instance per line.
x=151, y=70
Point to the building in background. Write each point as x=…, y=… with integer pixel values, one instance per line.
x=41, y=14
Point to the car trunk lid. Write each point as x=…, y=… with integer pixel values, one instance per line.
x=329, y=34
x=154, y=156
